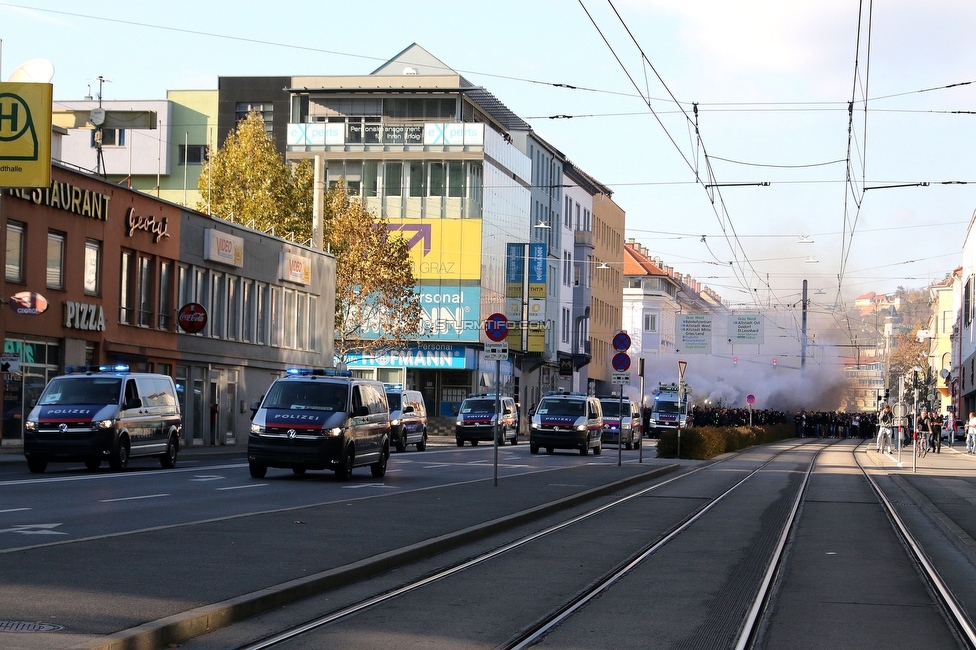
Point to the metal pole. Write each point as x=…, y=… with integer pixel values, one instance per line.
x=620, y=429
x=498, y=411
x=803, y=335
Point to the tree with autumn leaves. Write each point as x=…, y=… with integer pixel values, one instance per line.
x=248, y=182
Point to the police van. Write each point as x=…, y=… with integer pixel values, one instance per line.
x=476, y=420
x=408, y=418
x=567, y=421
x=320, y=419
x=621, y=422
x=97, y=413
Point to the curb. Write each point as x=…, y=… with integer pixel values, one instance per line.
x=195, y=622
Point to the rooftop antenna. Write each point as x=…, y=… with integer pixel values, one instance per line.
x=98, y=119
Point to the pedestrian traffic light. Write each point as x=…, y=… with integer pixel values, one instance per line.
x=774, y=362
x=735, y=361
x=887, y=393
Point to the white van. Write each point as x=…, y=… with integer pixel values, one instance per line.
x=97, y=413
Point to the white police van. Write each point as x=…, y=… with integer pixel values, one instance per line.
x=567, y=421
x=320, y=419
x=97, y=413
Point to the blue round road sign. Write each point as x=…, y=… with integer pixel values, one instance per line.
x=621, y=341
x=496, y=327
x=621, y=362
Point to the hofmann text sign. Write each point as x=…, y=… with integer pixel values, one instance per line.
x=25, y=134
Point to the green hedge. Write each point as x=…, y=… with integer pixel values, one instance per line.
x=701, y=443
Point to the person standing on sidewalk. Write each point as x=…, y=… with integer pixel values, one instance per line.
x=971, y=433
x=935, y=424
x=949, y=425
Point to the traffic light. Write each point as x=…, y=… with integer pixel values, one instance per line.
x=887, y=394
x=735, y=361
x=774, y=362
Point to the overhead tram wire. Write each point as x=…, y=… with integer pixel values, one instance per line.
x=712, y=188
x=847, y=242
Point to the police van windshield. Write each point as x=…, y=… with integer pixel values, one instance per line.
x=307, y=395
x=611, y=407
x=562, y=407
x=478, y=406
x=82, y=390
x=394, y=401
x=667, y=407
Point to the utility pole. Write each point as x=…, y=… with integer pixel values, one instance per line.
x=803, y=333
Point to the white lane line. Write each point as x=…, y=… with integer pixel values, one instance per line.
x=14, y=510
x=145, y=496
x=242, y=487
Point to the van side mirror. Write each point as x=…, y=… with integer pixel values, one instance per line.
x=360, y=411
x=408, y=409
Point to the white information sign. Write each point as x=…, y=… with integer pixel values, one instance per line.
x=620, y=378
x=694, y=333
x=746, y=328
x=496, y=351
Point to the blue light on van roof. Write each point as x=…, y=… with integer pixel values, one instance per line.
x=121, y=367
x=319, y=372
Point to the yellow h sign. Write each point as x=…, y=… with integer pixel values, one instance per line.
x=25, y=134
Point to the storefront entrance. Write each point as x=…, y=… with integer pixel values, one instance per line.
x=40, y=361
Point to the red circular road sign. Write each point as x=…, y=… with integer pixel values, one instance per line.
x=496, y=327
x=192, y=317
x=751, y=398
x=621, y=362
x=621, y=341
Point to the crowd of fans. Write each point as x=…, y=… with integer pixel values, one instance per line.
x=809, y=424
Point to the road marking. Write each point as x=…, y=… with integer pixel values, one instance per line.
x=14, y=510
x=33, y=529
x=146, y=496
x=368, y=485
x=242, y=487
x=206, y=477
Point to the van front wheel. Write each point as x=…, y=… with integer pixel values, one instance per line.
x=120, y=456
x=343, y=470
x=257, y=470
x=37, y=465
x=378, y=469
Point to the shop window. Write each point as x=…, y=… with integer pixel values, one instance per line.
x=55, y=260
x=15, y=252
x=93, y=267
x=126, y=309
x=164, y=315
x=145, y=291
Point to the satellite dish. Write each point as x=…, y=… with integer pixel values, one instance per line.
x=39, y=71
x=97, y=116
x=944, y=373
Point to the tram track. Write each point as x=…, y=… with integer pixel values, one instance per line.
x=531, y=632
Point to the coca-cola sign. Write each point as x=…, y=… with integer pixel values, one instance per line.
x=192, y=317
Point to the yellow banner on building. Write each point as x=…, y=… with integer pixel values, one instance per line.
x=442, y=249
x=25, y=134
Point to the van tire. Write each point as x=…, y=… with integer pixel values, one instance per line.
x=585, y=449
x=120, y=455
x=515, y=439
x=533, y=448
x=460, y=443
x=378, y=469
x=474, y=443
x=257, y=470
x=598, y=449
x=37, y=465
x=168, y=459
x=423, y=442
x=401, y=442
x=92, y=464
x=343, y=470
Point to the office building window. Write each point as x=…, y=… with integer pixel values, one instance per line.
x=55, y=260
x=15, y=252
x=289, y=324
x=313, y=331
x=247, y=311
x=218, y=305
x=418, y=179
x=194, y=154
x=233, y=308
x=266, y=109
x=110, y=137
x=261, y=318
x=650, y=322
x=93, y=267
x=567, y=318
x=393, y=179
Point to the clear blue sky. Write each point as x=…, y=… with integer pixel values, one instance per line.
x=772, y=80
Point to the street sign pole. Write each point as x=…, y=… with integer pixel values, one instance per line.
x=621, y=362
x=681, y=377
x=496, y=329
x=498, y=411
